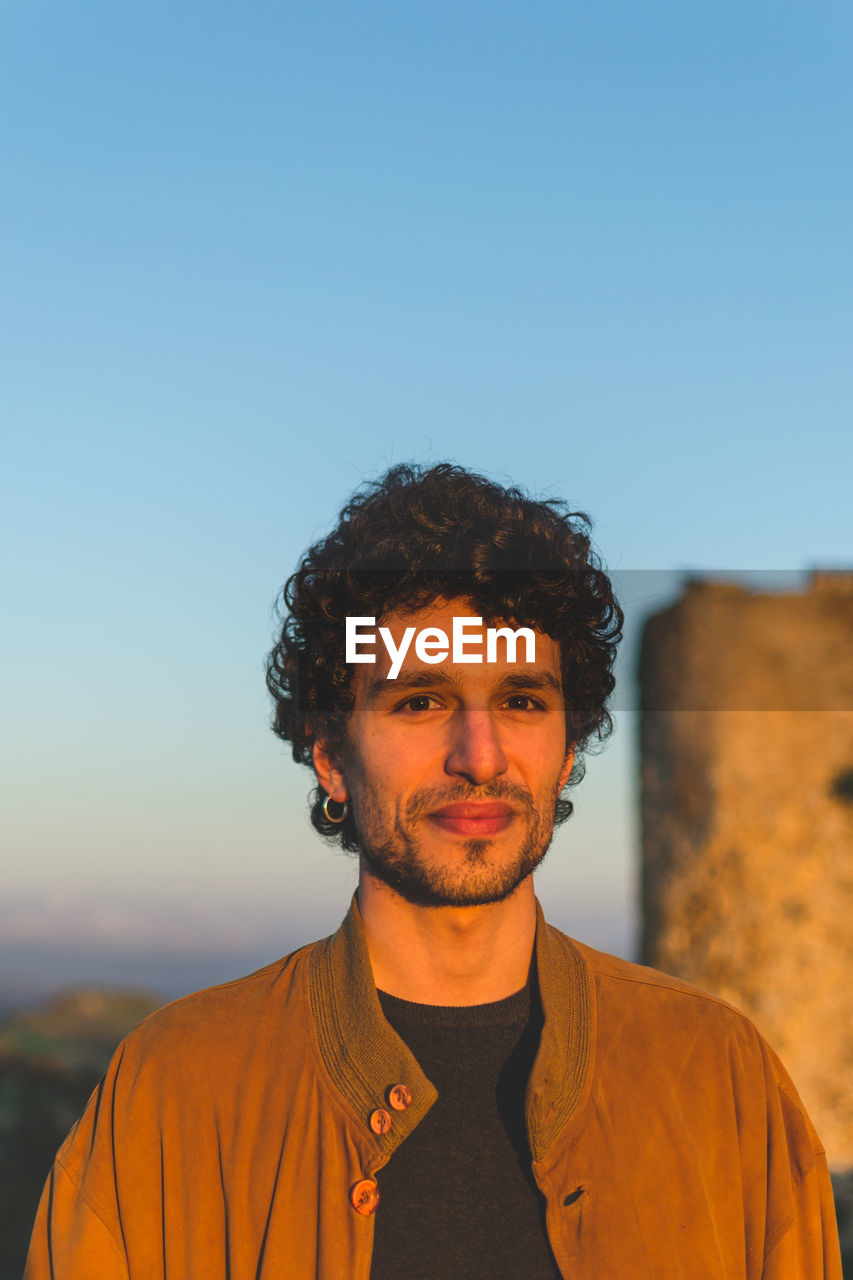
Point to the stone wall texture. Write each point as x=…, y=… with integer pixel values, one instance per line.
x=747, y=817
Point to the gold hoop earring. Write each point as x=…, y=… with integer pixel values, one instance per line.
x=344, y=810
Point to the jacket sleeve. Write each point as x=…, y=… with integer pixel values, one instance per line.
x=802, y=1240
x=78, y=1233
x=69, y=1240
x=809, y=1248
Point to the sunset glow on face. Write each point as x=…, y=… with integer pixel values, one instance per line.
x=452, y=771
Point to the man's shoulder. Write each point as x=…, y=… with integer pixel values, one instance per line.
x=657, y=998
x=619, y=970
x=224, y=1019
x=180, y=1070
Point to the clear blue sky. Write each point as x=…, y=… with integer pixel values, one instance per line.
x=252, y=254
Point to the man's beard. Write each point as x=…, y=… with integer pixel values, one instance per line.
x=397, y=857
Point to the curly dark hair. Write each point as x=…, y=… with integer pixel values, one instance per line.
x=415, y=535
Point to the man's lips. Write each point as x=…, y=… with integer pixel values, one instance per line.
x=474, y=818
x=473, y=809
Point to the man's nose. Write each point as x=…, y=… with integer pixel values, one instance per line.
x=475, y=750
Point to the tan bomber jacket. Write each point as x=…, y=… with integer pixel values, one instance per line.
x=231, y=1138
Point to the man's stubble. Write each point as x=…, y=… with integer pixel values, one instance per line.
x=394, y=852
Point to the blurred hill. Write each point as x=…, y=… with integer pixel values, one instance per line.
x=76, y=1028
x=51, y=1058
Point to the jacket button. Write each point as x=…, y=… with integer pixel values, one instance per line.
x=380, y=1121
x=364, y=1197
x=400, y=1097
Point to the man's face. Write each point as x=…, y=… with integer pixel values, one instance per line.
x=452, y=770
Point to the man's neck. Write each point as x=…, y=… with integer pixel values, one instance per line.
x=447, y=955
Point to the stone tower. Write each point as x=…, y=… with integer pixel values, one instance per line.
x=747, y=819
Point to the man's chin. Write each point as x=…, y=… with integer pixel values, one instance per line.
x=476, y=885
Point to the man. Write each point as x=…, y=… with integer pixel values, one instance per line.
x=447, y=1088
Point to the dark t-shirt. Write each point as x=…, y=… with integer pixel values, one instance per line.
x=458, y=1199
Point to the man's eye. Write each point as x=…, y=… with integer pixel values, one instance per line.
x=524, y=702
x=419, y=702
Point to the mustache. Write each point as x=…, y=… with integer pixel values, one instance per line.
x=431, y=798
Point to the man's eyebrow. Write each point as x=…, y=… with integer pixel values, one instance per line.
x=524, y=680
x=417, y=679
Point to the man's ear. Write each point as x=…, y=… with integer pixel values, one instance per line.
x=329, y=771
x=567, y=768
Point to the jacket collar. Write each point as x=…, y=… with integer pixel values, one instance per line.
x=365, y=1057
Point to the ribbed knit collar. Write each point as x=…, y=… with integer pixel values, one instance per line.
x=365, y=1057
